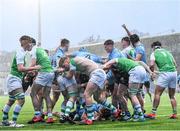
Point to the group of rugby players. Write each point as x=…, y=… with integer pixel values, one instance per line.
x=86, y=80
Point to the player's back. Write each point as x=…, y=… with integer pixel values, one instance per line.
x=164, y=60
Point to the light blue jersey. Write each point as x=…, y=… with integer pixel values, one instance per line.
x=139, y=49
x=58, y=54
x=88, y=55
x=115, y=53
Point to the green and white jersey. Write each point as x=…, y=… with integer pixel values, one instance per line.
x=19, y=58
x=125, y=65
x=164, y=60
x=42, y=59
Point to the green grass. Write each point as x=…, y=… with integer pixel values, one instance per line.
x=161, y=123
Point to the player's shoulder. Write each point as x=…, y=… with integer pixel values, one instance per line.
x=115, y=50
x=140, y=47
x=20, y=52
x=59, y=52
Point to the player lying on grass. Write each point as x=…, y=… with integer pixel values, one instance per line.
x=100, y=113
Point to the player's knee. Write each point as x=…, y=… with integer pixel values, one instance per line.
x=157, y=95
x=72, y=99
x=21, y=101
x=10, y=102
x=172, y=97
x=33, y=93
x=132, y=92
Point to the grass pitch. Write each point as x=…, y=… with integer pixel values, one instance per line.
x=162, y=122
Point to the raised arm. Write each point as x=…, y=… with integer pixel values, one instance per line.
x=128, y=32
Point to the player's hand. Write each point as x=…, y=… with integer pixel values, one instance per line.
x=124, y=26
x=104, y=61
x=104, y=67
x=60, y=70
x=30, y=72
x=26, y=78
x=106, y=82
x=83, y=85
x=153, y=76
x=37, y=67
x=128, y=56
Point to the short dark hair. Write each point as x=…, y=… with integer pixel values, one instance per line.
x=109, y=42
x=33, y=41
x=25, y=37
x=64, y=42
x=134, y=38
x=46, y=50
x=126, y=39
x=156, y=44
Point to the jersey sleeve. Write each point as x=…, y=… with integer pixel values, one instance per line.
x=33, y=53
x=96, y=58
x=117, y=55
x=132, y=53
x=74, y=54
x=152, y=57
x=109, y=74
x=116, y=60
x=56, y=57
x=72, y=68
x=139, y=50
x=59, y=54
x=20, y=57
